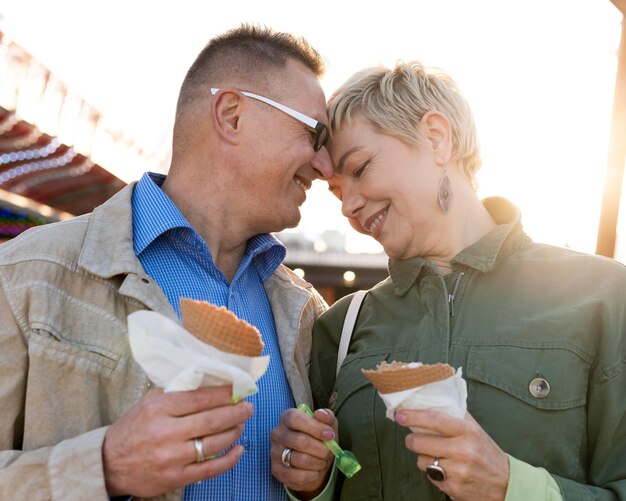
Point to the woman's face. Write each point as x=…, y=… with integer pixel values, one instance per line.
x=387, y=189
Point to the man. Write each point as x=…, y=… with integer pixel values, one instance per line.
x=77, y=417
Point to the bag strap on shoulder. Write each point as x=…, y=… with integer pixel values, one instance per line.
x=348, y=327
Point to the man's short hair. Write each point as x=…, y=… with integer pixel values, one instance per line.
x=393, y=101
x=248, y=54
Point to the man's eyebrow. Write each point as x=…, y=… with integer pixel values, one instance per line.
x=342, y=160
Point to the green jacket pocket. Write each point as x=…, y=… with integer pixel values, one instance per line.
x=531, y=401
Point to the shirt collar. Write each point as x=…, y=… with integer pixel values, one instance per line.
x=266, y=253
x=154, y=214
x=502, y=241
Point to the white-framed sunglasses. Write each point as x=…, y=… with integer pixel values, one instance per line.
x=318, y=131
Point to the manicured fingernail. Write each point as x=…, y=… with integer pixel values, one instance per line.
x=400, y=418
x=328, y=434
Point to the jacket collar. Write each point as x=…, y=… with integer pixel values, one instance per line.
x=108, y=252
x=108, y=247
x=500, y=242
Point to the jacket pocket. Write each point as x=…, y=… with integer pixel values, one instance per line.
x=52, y=349
x=532, y=401
x=70, y=389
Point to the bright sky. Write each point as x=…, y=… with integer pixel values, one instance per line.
x=539, y=75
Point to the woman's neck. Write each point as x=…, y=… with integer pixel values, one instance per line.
x=471, y=223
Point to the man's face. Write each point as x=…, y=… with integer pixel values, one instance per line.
x=282, y=161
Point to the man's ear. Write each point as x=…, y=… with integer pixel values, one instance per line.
x=226, y=110
x=437, y=133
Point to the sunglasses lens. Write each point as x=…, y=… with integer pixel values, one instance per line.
x=321, y=137
x=313, y=136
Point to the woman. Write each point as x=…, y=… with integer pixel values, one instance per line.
x=539, y=331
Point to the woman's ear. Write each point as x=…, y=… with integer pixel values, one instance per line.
x=226, y=110
x=437, y=132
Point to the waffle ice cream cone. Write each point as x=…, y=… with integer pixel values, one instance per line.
x=399, y=376
x=220, y=328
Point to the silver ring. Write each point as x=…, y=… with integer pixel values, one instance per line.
x=436, y=472
x=197, y=442
x=286, y=457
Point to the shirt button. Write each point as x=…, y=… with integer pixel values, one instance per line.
x=539, y=388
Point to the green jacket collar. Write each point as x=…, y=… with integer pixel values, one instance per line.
x=502, y=241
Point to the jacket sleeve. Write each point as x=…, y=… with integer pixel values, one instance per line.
x=71, y=469
x=528, y=482
x=327, y=494
x=606, y=418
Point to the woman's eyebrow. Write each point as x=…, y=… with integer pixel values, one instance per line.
x=342, y=160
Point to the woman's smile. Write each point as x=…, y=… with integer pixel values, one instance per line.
x=374, y=224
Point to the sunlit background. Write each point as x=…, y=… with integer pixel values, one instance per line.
x=539, y=74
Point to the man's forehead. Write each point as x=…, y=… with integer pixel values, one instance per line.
x=302, y=80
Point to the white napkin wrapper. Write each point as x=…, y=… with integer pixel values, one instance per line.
x=176, y=360
x=448, y=396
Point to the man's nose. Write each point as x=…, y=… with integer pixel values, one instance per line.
x=322, y=164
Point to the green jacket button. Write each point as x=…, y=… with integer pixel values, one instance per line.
x=539, y=388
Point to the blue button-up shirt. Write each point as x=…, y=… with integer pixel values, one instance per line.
x=178, y=259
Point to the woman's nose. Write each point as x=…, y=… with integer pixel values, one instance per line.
x=351, y=203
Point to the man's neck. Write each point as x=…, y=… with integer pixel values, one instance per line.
x=228, y=262
x=215, y=224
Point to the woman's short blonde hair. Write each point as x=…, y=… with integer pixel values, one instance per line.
x=394, y=101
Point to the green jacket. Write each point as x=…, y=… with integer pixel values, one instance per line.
x=510, y=312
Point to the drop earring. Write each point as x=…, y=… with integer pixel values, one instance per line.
x=445, y=191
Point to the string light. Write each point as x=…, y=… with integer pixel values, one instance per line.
x=40, y=165
x=52, y=176
x=20, y=156
x=8, y=123
x=349, y=277
x=25, y=141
